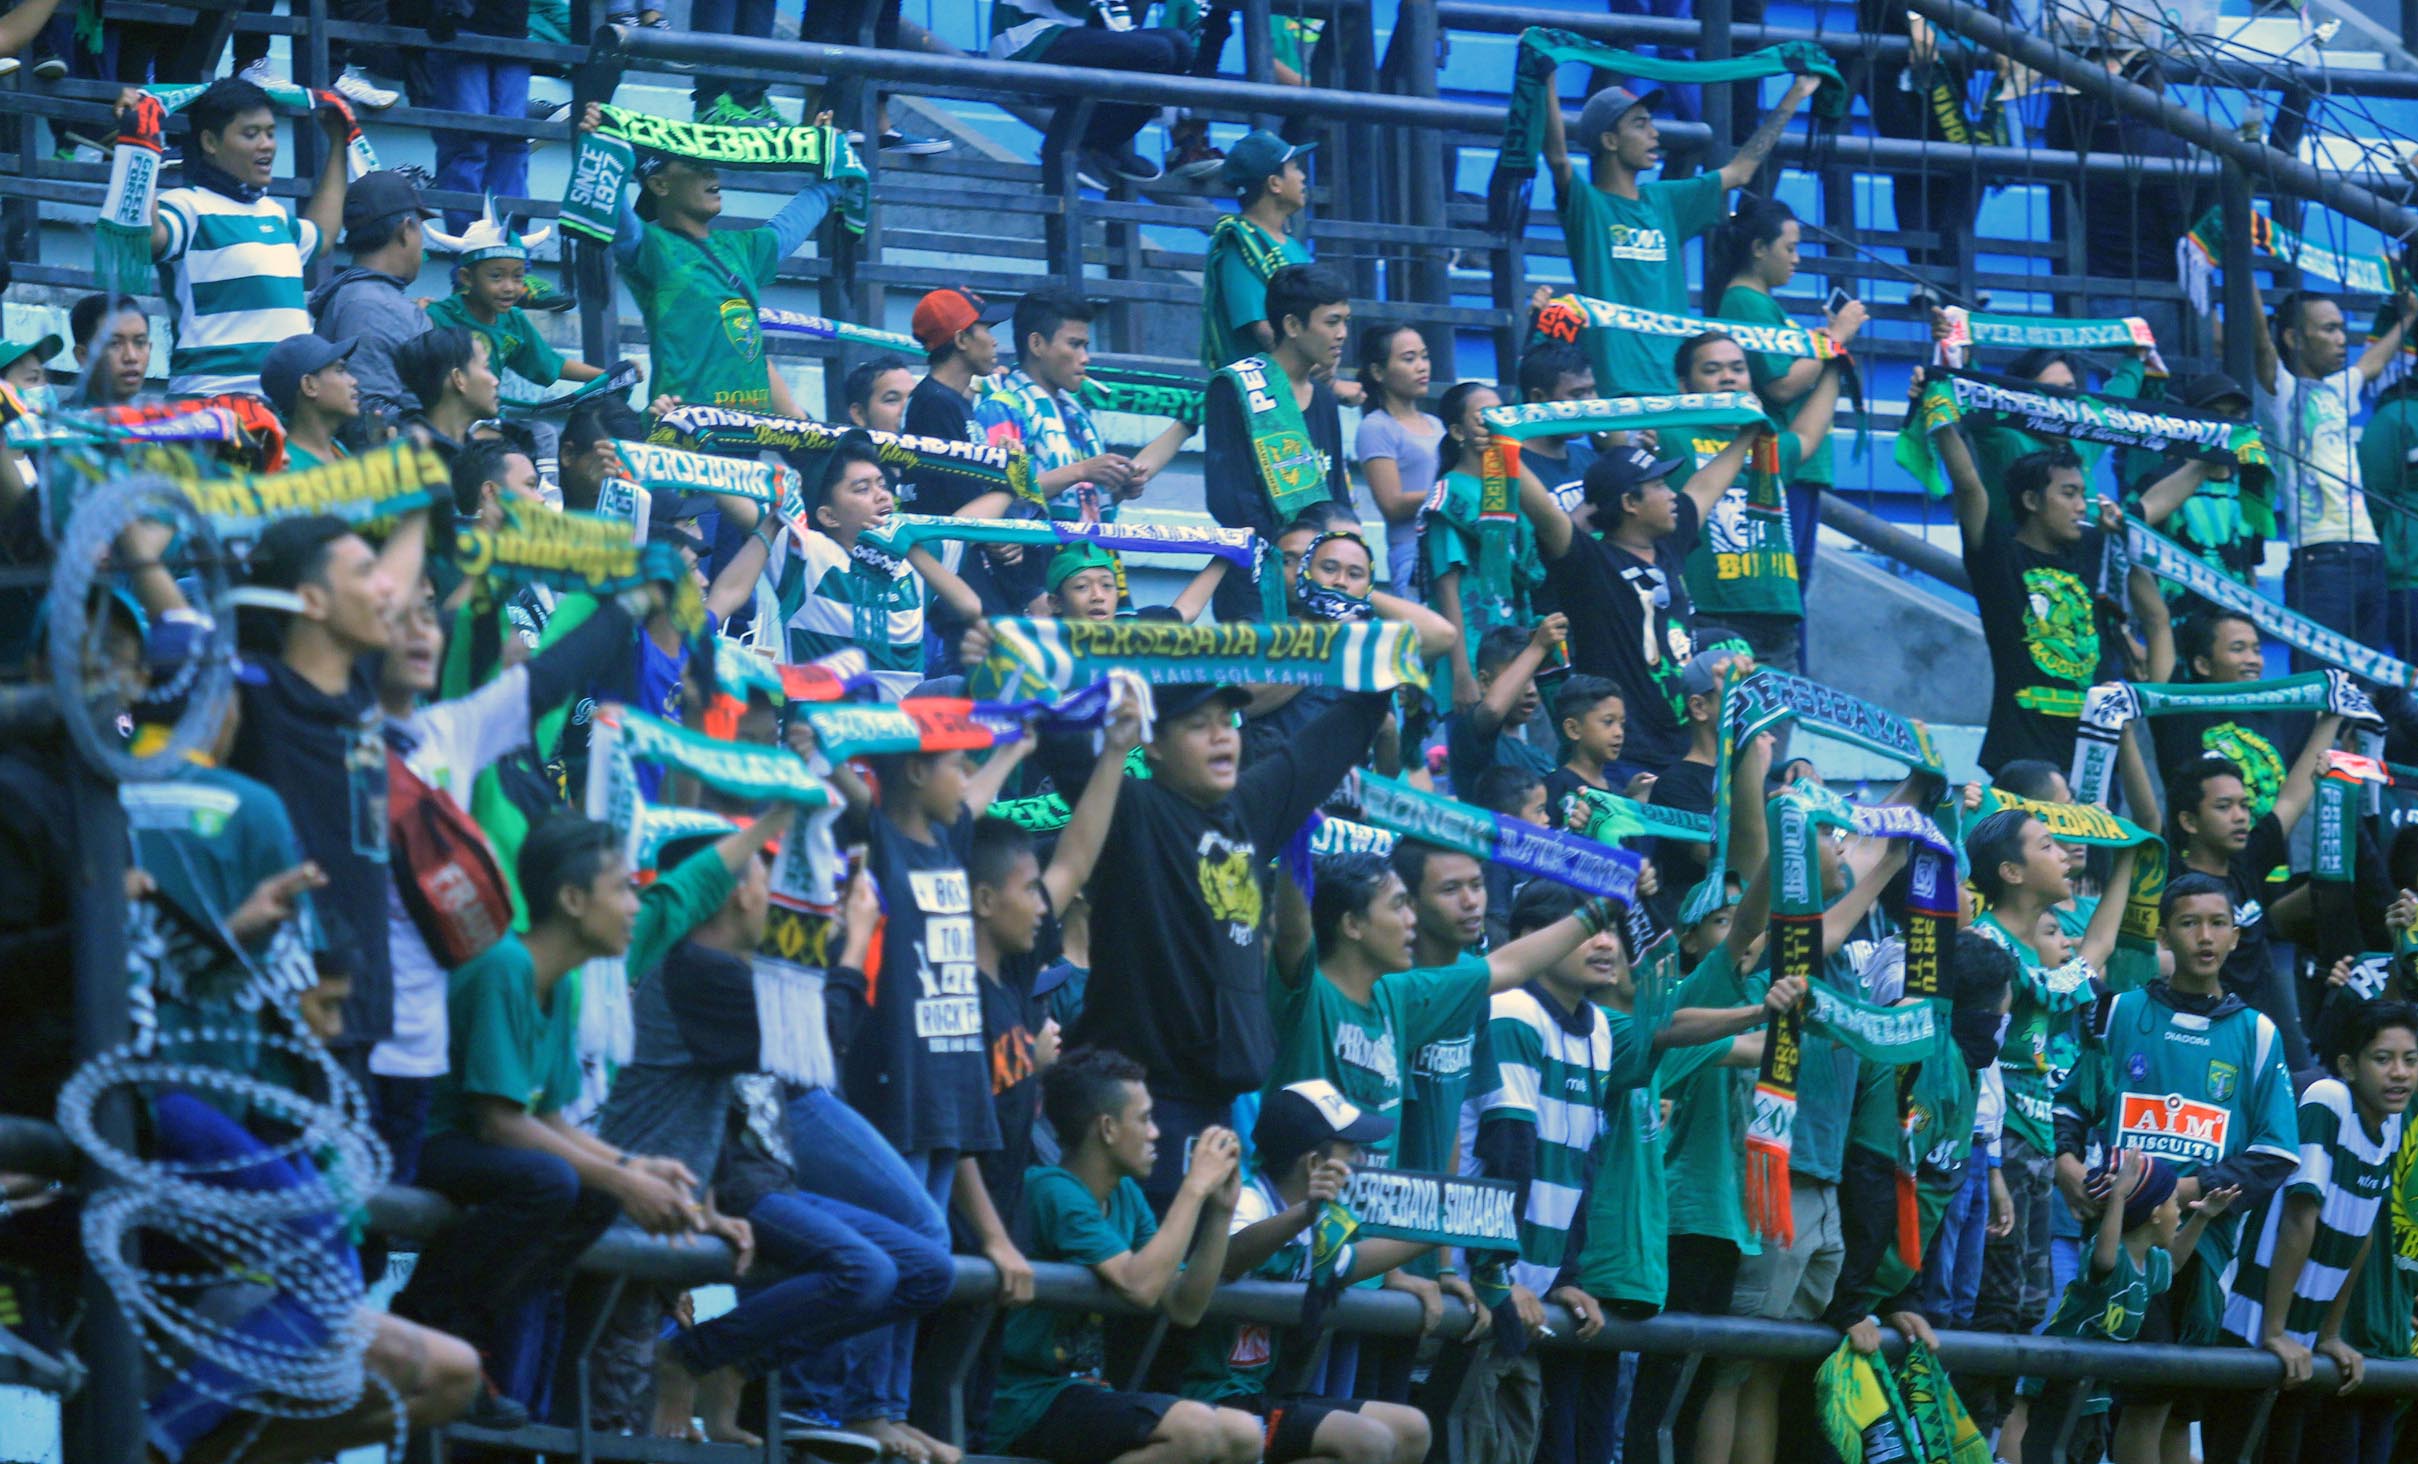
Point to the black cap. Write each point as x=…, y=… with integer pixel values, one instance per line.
x=669, y=516
x=374, y=197
x=1299, y=1117
x=1624, y=471
x=2205, y=390
x=1169, y=702
x=293, y=358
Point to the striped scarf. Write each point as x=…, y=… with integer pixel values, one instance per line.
x=1038, y=657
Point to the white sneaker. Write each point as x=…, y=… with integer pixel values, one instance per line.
x=361, y=92
x=50, y=68
x=260, y=73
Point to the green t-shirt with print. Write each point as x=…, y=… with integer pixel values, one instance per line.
x=513, y=343
x=1043, y=1351
x=1705, y=1141
x=298, y=457
x=1764, y=368
x=1627, y=1252
x=1232, y=1361
x=2108, y=1306
x=1234, y=293
x=1361, y=1047
x=1450, y=543
x=1745, y=560
x=698, y=297
x=1634, y=251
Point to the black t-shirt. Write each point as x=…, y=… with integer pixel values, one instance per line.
x=2047, y=638
x=1262, y=734
x=1011, y=1020
x=937, y=409
x=1468, y=752
x=325, y=756
x=1231, y=484
x=1179, y=970
x=2246, y=881
x=2261, y=744
x=1687, y=787
x=916, y=1068
x=1561, y=788
x=1629, y=624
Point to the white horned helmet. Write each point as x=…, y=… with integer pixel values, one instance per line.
x=486, y=238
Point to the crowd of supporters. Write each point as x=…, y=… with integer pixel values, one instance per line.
x=1154, y=1023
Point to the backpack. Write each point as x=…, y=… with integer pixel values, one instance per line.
x=446, y=872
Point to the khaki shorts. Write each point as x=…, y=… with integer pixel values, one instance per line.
x=1793, y=1283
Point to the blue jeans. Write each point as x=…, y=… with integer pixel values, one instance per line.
x=1952, y=1270
x=2341, y=587
x=868, y=1376
x=461, y=80
x=841, y=1270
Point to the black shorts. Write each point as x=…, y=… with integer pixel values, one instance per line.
x=1092, y=1425
x=2168, y=1318
x=1293, y=1423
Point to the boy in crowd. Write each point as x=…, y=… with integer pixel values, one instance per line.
x=2219, y=647
x=2302, y=1247
x=583, y=454
x=1628, y=236
x=490, y=279
x=447, y=370
x=877, y=392
x=1552, y=371
x=1082, y=585
x=310, y=381
x=1307, y=1141
x=1053, y=1401
x=2131, y=1263
x=2217, y=1108
x=112, y=339
x=232, y=255
x=1495, y=731
x=537, y=1190
x=1266, y=412
x=1513, y=793
x=1034, y=408
x=369, y=301
x=1248, y=246
x=1593, y=721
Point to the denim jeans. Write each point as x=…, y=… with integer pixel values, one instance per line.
x=459, y=79
x=398, y=1109
x=1952, y=1270
x=526, y=1218
x=868, y=1375
x=835, y=1270
x=1159, y=52
x=2341, y=587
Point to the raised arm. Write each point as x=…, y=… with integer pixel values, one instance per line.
x=1494, y=708
x=1810, y=424
x=1695, y=1026
x=1086, y=830
x=1840, y=920
x=2382, y=349
x=945, y=585
x=1518, y=961
x=1202, y=589
x=1437, y=635
x=325, y=207
x=1553, y=528
x=1294, y=936
x=2300, y=785
x=736, y=584
x=1740, y=169
x=2099, y=937
x=1714, y=479
x=2160, y=499
x=1964, y=477
x=1557, y=143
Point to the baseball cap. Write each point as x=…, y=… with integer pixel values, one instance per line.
x=1702, y=674
x=1301, y=1116
x=1170, y=702
x=1605, y=109
x=943, y=314
x=669, y=518
x=1625, y=470
x=1260, y=154
x=2210, y=387
x=292, y=359
x=381, y=195
x=1074, y=559
x=42, y=350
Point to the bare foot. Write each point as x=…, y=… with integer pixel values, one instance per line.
x=675, y=1398
x=939, y=1451
x=896, y=1442
x=718, y=1404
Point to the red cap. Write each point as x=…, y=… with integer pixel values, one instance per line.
x=943, y=315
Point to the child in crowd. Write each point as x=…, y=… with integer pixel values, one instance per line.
x=1594, y=725
x=1513, y=793
x=1495, y=731
x=490, y=280
x=2140, y=1232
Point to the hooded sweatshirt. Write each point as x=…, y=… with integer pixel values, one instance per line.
x=374, y=309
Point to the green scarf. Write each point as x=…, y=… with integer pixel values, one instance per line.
x=1609, y=818
x=614, y=383
x=2180, y=567
x=1236, y=235
x=603, y=164
x=653, y=466
x=1332, y=835
x=721, y=429
x=2107, y=709
x=2136, y=958
x=1244, y=550
x=1794, y=816
x=818, y=328
x=1031, y=658
x=1566, y=317
x=2202, y=250
x=577, y=552
x=379, y=484
x=1144, y=393
x=1292, y=469
x=1047, y=813
x=1493, y=838
x=1543, y=51
x=2045, y=332
x=2087, y=417
x=1729, y=411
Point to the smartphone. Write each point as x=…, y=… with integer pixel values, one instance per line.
x=1839, y=300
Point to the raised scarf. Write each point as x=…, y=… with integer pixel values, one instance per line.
x=1721, y=410
x=2136, y=957
x=844, y=730
x=383, y=483
x=1543, y=51
x=2187, y=571
x=2044, y=332
x=2107, y=709
x=1609, y=818
x=1046, y=813
x=653, y=466
x=615, y=382
x=741, y=674
x=2089, y=417
x=1292, y=469
x=1567, y=317
x=606, y=157
x=1244, y=550
x=721, y=429
x=1032, y=658
x=121, y=252
x=567, y=551
x=1493, y=838
x=1332, y=835
x=2199, y=252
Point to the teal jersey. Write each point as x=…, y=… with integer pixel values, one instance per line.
x=1359, y=1046
x=2043, y=1036
x=1233, y=1360
x=1627, y=1255
x=1634, y=250
x=1043, y=1351
x=2107, y=1306
x=1704, y=1144
x=2347, y=1169
x=513, y=343
x=1551, y=1070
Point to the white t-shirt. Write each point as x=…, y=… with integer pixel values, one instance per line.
x=2310, y=420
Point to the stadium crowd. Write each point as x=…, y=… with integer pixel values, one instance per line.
x=1104, y=950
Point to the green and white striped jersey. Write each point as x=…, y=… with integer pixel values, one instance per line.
x=832, y=600
x=236, y=281
x=1553, y=1071
x=2347, y=1170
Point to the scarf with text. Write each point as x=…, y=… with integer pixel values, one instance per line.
x=1676, y=411
x=2334, y=846
x=2187, y=571
x=1292, y=469
x=719, y=429
x=1967, y=329
x=121, y=255
x=654, y=466
x=927, y=724
x=2106, y=710
x=1543, y=52
x=1492, y=838
x=2081, y=416
x=1610, y=818
x=607, y=157
x=1566, y=317
x=584, y=552
x=361, y=490
x=1031, y=658
x=741, y=674
x=1240, y=548
x=2199, y=253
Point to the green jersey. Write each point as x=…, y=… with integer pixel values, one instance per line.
x=2042, y=1034
x=2346, y=1168
x=1358, y=1046
x=1634, y=250
x=2107, y=1306
x=1234, y=287
x=1745, y=561
x=513, y=343
x=2379, y=1320
x=298, y=457
x=1627, y=1255
x=1043, y=1351
x=1705, y=1140
x=2388, y=469
x=1233, y=1360
x=698, y=297
x=1551, y=1069
x=1763, y=369
x=1449, y=543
